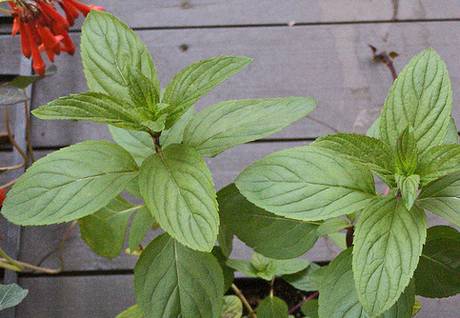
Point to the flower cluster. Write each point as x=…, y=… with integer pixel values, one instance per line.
x=43, y=27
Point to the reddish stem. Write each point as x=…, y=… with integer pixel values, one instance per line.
x=304, y=300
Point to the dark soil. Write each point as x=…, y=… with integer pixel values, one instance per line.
x=255, y=290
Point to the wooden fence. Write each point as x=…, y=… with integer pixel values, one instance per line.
x=317, y=48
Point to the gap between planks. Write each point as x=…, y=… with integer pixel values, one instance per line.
x=263, y=25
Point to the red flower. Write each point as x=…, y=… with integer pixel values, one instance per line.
x=2, y=196
x=43, y=28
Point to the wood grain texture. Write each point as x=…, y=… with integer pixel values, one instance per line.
x=331, y=63
x=205, y=13
x=10, y=56
x=106, y=296
x=173, y=13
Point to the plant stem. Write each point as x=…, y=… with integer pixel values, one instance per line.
x=272, y=287
x=384, y=58
x=11, y=168
x=156, y=141
x=39, y=269
x=9, y=263
x=245, y=302
x=6, y=256
x=11, y=137
x=349, y=237
x=304, y=300
x=30, y=149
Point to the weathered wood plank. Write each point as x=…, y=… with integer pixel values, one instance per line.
x=186, y=13
x=10, y=55
x=331, y=63
x=173, y=13
x=76, y=297
x=106, y=296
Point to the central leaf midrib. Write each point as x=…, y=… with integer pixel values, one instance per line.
x=171, y=175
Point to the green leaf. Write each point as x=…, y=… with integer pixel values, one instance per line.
x=272, y=307
x=104, y=231
x=310, y=309
x=421, y=97
x=131, y=312
x=141, y=224
x=339, y=299
x=408, y=186
x=438, y=272
x=133, y=188
x=178, y=189
x=268, y=268
x=232, y=308
x=245, y=267
x=138, y=143
x=110, y=51
x=96, y=107
x=11, y=295
x=374, y=129
x=143, y=92
x=404, y=306
x=69, y=184
x=306, y=183
x=450, y=138
x=406, y=152
x=388, y=242
x=366, y=151
x=442, y=197
x=230, y=123
x=339, y=239
x=416, y=308
x=225, y=238
x=197, y=79
x=23, y=81
x=333, y=225
x=452, y=133
x=438, y=162
x=226, y=270
x=175, y=134
x=307, y=280
x=337, y=294
x=267, y=233
x=172, y=280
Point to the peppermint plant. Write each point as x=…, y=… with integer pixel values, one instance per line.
x=158, y=157
x=413, y=149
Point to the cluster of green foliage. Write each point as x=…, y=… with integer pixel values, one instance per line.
x=279, y=205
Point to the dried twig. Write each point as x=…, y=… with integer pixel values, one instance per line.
x=11, y=137
x=30, y=149
x=385, y=58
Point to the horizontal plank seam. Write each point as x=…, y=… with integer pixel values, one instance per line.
x=108, y=272
x=260, y=141
x=263, y=25
x=80, y=273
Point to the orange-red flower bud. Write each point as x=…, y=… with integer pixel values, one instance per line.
x=2, y=196
x=37, y=62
